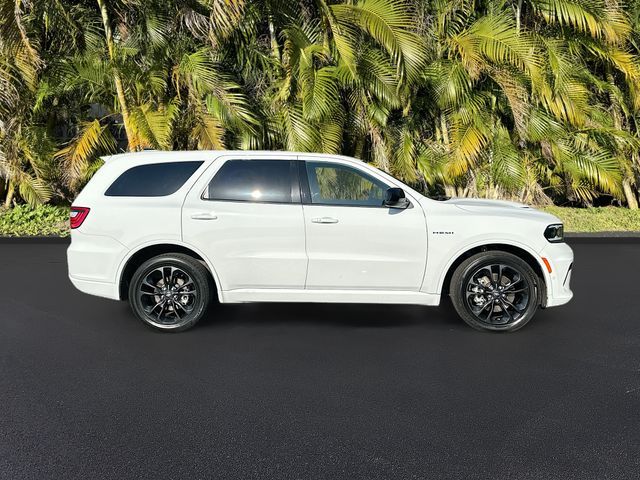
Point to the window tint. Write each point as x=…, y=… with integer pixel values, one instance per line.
x=154, y=180
x=335, y=184
x=252, y=181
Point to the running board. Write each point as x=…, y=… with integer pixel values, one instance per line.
x=329, y=296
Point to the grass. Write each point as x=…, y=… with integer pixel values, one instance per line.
x=597, y=219
x=49, y=220
x=24, y=221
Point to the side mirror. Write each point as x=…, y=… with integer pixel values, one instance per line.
x=395, y=198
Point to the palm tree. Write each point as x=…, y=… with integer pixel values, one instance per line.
x=154, y=72
x=330, y=71
x=25, y=149
x=518, y=107
x=534, y=100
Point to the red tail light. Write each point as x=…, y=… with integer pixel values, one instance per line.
x=77, y=216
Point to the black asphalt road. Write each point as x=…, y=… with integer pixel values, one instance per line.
x=318, y=391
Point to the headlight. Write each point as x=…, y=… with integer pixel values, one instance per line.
x=554, y=233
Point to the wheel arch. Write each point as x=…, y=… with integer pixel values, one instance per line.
x=519, y=251
x=142, y=253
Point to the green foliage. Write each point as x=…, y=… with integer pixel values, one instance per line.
x=44, y=220
x=602, y=219
x=51, y=220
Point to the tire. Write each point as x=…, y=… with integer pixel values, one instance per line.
x=487, y=304
x=178, y=285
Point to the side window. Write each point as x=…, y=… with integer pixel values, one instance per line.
x=336, y=184
x=153, y=180
x=252, y=181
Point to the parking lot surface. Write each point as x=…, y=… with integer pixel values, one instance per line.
x=318, y=391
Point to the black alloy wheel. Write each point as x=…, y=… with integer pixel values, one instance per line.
x=170, y=292
x=495, y=291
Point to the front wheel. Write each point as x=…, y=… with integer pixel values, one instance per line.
x=495, y=291
x=170, y=292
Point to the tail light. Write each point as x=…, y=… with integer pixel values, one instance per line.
x=77, y=216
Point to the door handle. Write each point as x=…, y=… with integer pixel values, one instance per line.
x=204, y=216
x=324, y=220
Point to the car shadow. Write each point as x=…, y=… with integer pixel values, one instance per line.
x=335, y=314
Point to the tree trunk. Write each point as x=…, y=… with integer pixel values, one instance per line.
x=26, y=42
x=445, y=131
x=132, y=139
x=629, y=195
x=122, y=100
x=10, y=192
x=518, y=15
x=450, y=191
x=275, y=49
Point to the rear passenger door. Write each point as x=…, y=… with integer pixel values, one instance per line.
x=245, y=215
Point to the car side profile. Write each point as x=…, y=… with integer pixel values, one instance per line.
x=172, y=231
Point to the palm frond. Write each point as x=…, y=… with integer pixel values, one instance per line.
x=432, y=163
x=506, y=165
x=208, y=132
x=494, y=38
x=33, y=190
x=600, y=19
x=320, y=94
x=451, y=83
x=154, y=125
x=599, y=168
x=93, y=140
x=468, y=139
x=386, y=21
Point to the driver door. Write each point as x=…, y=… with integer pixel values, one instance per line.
x=352, y=240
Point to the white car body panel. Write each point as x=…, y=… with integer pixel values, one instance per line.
x=367, y=247
x=274, y=252
x=252, y=245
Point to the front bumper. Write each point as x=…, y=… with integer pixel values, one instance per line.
x=560, y=258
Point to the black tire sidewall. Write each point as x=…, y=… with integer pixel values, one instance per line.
x=472, y=264
x=193, y=268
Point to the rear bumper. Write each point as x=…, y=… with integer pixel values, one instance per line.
x=100, y=289
x=93, y=261
x=560, y=257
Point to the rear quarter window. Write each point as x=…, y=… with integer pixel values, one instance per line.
x=256, y=180
x=152, y=180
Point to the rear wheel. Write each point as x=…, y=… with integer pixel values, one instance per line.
x=170, y=292
x=495, y=291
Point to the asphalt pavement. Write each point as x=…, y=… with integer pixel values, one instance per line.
x=302, y=391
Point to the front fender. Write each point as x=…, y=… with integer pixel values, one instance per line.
x=441, y=258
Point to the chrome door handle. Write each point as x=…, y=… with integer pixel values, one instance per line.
x=324, y=220
x=204, y=216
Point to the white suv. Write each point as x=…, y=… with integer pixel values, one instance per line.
x=170, y=231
